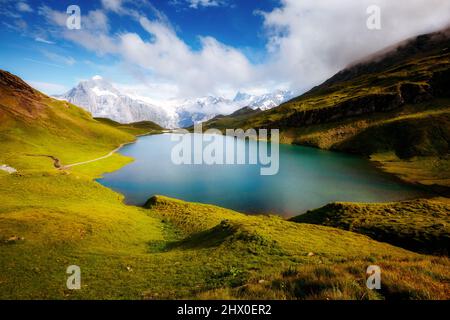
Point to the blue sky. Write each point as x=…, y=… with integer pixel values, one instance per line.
x=191, y=48
x=33, y=52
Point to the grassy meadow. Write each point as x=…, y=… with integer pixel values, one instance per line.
x=173, y=249
x=51, y=217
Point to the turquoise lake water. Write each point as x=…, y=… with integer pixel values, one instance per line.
x=307, y=179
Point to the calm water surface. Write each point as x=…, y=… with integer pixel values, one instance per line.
x=308, y=178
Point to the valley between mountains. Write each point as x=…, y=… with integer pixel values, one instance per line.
x=103, y=99
x=393, y=108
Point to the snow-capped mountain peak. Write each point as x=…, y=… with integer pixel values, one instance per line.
x=206, y=108
x=240, y=96
x=103, y=99
x=263, y=102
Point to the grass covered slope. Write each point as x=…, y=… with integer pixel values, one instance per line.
x=298, y=261
x=414, y=72
x=175, y=249
x=230, y=121
x=33, y=124
x=411, y=142
x=419, y=225
x=136, y=128
x=401, y=280
x=51, y=219
x=393, y=107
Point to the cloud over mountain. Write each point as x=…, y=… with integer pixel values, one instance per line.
x=105, y=100
x=306, y=42
x=310, y=40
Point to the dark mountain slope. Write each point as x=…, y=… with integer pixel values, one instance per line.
x=410, y=50
x=373, y=108
x=419, y=225
x=141, y=127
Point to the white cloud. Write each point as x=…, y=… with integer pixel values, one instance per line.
x=67, y=60
x=93, y=34
x=205, y=3
x=17, y=25
x=23, y=7
x=113, y=5
x=155, y=93
x=131, y=8
x=195, y=72
x=95, y=21
x=310, y=40
x=42, y=40
x=55, y=17
x=307, y=42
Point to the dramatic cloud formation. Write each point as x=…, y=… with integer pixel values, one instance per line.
x=312, y=39
x=307, y=41
x=212, y=67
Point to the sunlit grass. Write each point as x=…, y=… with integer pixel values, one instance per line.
x=50, y=219
x=420, y=225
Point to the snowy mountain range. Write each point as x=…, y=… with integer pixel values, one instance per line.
x=263, y=102
x=102, y=99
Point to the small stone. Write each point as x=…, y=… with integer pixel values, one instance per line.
x=13, y=239
x=310, y=254
x=261, y=281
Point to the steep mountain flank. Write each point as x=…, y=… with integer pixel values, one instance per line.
x=35, y=124
x=102, y=99
x=394, y=107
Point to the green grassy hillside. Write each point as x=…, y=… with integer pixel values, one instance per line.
x=175, y=249
x=401, y=279
x=136, y=128
x=393, y=107
x=315, y=262
x=52, y=218
x=232, y=120
x=419, y=225
x=34, y=125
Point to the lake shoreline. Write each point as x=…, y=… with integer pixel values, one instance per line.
x=423, y=194
x=429, y=190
